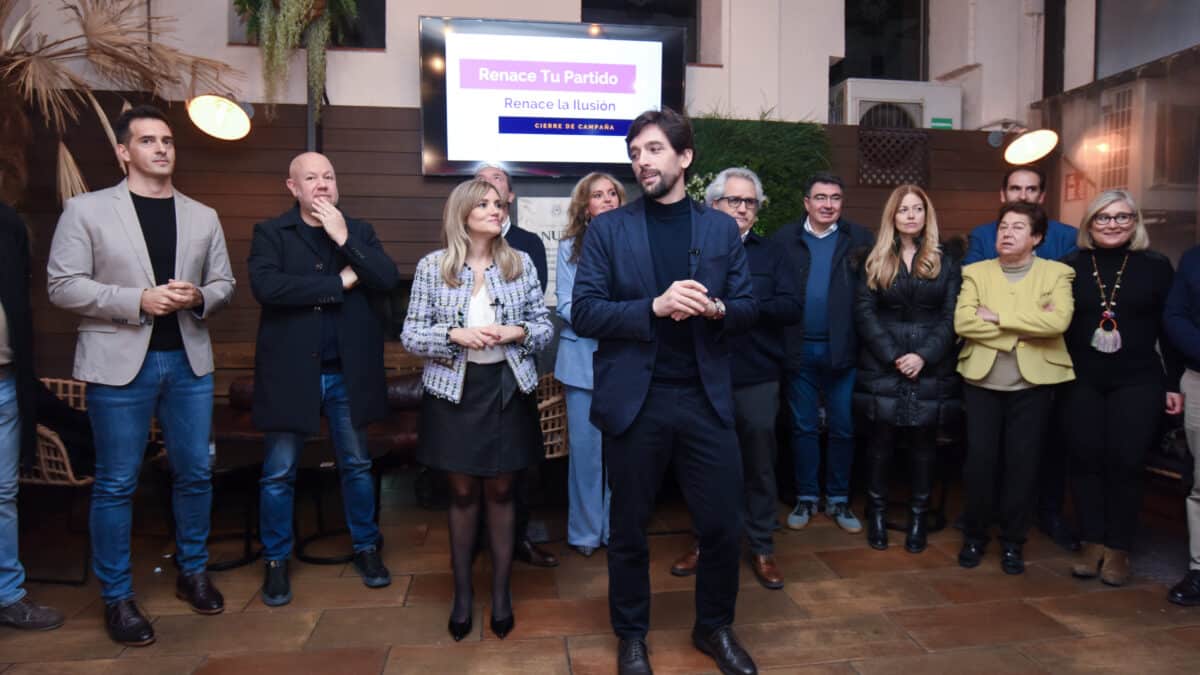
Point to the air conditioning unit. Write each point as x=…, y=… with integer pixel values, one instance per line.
x=896, y=104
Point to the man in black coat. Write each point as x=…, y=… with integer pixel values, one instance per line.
x=18, y=443
x=319, y=351
x=522, y=240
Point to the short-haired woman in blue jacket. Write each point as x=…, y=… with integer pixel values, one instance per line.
x=587, y=492
x=477, y=316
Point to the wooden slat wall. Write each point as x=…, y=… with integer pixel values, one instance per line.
x=965, y=174
x=376, y=152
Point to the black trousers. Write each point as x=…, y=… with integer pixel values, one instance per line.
x=1052, y=467
x=755, y=408
x=675, y=423
x=1005, y=430
x=1108, y=431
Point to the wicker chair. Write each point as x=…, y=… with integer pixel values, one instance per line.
x=52, y=468
x=552, y=410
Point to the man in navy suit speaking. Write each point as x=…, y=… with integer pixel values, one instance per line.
x=662, y=283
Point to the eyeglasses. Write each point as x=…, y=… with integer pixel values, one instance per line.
x=1123, y=218
x=737, y=202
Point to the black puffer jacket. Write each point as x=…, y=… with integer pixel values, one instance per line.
x=912, y=316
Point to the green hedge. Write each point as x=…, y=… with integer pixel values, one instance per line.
x=783, y=154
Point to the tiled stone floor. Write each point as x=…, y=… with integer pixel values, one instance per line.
x=845, y=609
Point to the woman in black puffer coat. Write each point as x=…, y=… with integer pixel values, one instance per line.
x=906, y=382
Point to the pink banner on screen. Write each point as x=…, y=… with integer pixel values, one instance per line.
x=604, y=78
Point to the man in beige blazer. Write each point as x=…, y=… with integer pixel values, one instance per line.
x=144, y=267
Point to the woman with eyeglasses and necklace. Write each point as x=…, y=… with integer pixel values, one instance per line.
x=1112, y=410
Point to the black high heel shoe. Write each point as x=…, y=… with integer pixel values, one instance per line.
x=460, y=629
x=502, y=627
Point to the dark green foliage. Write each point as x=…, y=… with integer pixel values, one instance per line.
x=783, y=154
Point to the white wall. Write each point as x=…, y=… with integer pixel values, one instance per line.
x=770, y=54
x=993, y=49
x=1079, y=45
x=775, y=58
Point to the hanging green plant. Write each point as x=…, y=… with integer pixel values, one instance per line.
x=279, y=27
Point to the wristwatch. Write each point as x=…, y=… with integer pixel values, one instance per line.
x=720, y=307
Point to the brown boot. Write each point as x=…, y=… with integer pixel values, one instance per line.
x=1116, y=570
x=766, y=570
x=687, y=563
x=1089, y=561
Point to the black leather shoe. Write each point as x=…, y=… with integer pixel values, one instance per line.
x=276, y=588
x=198, y=592
x=722, y=645
x=502, y=627
x=369, y=566
x=1187, y=591
x=127, y=625
x=633, y=658
x=971, y=554
x=1011, y=561
x=459, y=629
x=26, y=614
x=1057, y=529
x=528, y=553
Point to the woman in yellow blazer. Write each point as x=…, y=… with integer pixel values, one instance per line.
x=1011, y=312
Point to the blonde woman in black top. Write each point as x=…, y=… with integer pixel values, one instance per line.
x=1112, y=410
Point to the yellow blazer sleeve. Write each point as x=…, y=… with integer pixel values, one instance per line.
x=1048, y=314
x=971, y=327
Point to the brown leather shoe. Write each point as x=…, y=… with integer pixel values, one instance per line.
x=1116, y=570
x=1089, y=561
x=767, y=571
x=687, y=563
x=529, y=553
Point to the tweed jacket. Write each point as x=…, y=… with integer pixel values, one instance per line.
x=435, y=308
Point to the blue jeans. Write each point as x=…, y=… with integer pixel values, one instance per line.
x=12, y=575
x=817, y=379
x=278, y=483
x=165, y=388
x=587, y=490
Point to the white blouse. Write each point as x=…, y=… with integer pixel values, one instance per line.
x=481, y=312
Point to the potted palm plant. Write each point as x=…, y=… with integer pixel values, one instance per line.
x=122, y=45
x=281, y=26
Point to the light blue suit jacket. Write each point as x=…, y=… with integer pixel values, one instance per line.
x=573, y=365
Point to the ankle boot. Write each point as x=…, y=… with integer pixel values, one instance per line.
x=877, y=521
x=915, y=540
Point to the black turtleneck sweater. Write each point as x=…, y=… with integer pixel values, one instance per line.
x=669, y=230
x=1139, y=311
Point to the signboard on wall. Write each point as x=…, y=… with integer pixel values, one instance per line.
x=547, y=218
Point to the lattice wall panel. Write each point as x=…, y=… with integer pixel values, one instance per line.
x=889, y=157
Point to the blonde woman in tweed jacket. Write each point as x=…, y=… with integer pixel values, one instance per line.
x=477, y=316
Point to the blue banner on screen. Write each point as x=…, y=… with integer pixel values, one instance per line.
x=564, y=126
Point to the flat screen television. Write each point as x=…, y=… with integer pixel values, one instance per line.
x=540, y=98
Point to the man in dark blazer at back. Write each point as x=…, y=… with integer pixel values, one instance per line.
x=319, y=352
x=523, y=240
x=662, y=283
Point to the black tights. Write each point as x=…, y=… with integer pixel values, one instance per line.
x=497, y=495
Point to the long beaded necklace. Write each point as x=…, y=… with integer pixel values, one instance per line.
x=1107, y=339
